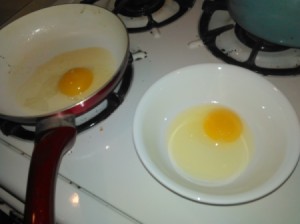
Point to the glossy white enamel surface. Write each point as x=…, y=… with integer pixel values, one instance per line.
x=272, y=120
x=104, y=162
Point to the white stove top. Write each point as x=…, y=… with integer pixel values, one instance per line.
x=102, y=180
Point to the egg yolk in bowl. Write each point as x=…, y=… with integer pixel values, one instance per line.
x=223, y=125
x=209, y=144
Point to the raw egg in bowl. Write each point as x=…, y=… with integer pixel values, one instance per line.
x=217, y=134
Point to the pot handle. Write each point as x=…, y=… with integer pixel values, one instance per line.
x=51, y=144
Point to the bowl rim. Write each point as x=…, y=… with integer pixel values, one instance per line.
x=239, y=198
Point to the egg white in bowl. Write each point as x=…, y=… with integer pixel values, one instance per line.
x=268, y=128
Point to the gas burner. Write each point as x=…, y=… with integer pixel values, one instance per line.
x=144, y=15
x=83, y=122
x=234, y=45
x=138, y=8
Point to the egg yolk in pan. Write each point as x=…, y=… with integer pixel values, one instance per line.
x=75, y=81
x=60, y=81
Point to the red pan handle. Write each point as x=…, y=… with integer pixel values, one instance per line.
x=47, y=154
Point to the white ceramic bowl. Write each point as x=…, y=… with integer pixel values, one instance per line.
x=271, y=119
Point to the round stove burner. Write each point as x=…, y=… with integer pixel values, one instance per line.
x=137, y=8
x=228, y=41
x=83, y=122
x=144, y=15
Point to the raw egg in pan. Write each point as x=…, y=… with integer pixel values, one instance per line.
x=209, y=144
x=64, y=80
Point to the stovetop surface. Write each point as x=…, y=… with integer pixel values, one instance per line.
x=101, y=180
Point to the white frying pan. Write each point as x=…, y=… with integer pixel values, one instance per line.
x=26, y=44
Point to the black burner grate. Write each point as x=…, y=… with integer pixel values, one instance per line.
x=137, y=8
x=146, y=8
x=256, y=44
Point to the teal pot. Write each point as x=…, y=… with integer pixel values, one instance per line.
x=277, y=21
